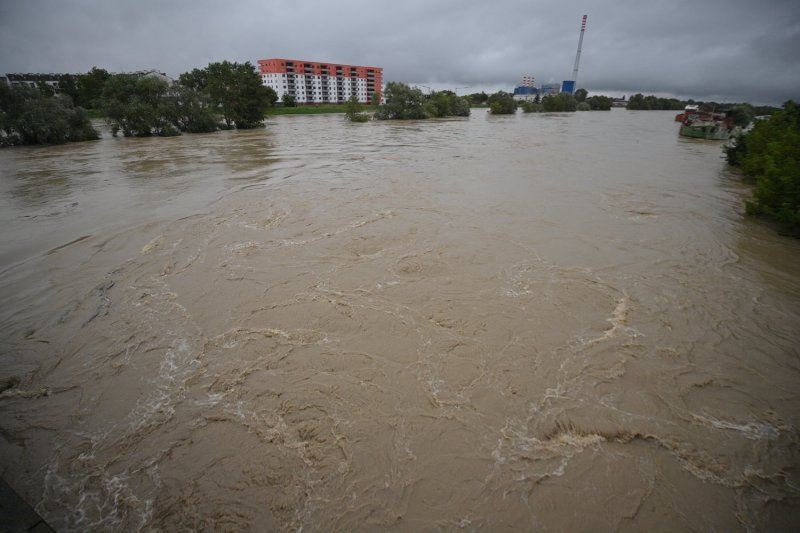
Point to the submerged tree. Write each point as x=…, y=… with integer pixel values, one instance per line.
x=235, y=90
x=191, y=111
x=447, y=104
x=502, y=103
x=138, y=106
x=353, y=111
x=402, y=102
x=599, y=103
x=560, y=102
x=27, y=116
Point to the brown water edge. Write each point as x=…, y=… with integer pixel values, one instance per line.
x=531, y=322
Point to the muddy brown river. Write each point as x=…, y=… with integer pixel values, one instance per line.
x=530, y=323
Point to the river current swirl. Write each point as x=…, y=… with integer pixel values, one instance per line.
x=533, y=322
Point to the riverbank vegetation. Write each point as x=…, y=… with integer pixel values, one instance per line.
x=504, y=103
x=769, y=157
x=639, y=102
x=221, y=96
x=29, y=116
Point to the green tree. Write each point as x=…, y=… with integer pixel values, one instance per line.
x=599, y=103
x=446, y=104
x=402, y=103
x=29, y=117
x=477, y=98
x=502, y=103
x=561, y=102
x=581, y=94
x=640, y=102
x=191, y=111
x=68, y=84
x=236, y=90
x=289, y=100
x=530, y=107
x=90, y=88
x=45, y=88
x=769, y=155
x=138, y=106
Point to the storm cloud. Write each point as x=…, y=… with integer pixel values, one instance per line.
x=731, y=50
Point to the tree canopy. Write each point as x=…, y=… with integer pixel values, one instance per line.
x=235, y=89
x=769, y=156
x=502, y=103
x=446, y=104
x=138, y=106
x=640, y=102
x=89, y=88
x=28, y=116
x=553, y=103
x=402, y=102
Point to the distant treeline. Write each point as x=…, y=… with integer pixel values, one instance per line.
x=504, y=103
x=639, y=102
x=769, y=157
x=405, y=102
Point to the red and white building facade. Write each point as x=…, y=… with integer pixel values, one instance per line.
x=310, y=82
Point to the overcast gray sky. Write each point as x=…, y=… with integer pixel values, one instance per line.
x=725, y=50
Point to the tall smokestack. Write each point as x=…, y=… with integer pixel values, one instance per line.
x=578, y=55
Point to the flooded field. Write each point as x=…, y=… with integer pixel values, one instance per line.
x=531, y=322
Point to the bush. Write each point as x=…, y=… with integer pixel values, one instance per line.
x=353, y=111
x=502, y=103
x=555, y=103
x=530, y=107
x=447, y=104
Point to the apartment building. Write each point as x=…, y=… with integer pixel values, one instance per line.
x=311, y=82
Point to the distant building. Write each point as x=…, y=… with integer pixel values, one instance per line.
x=550, y=88
x=33, y=80
x=527, y=91
x=311, y=82
x=525, y=94
x=54, y=80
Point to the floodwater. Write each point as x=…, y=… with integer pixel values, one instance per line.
x=532, y=322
